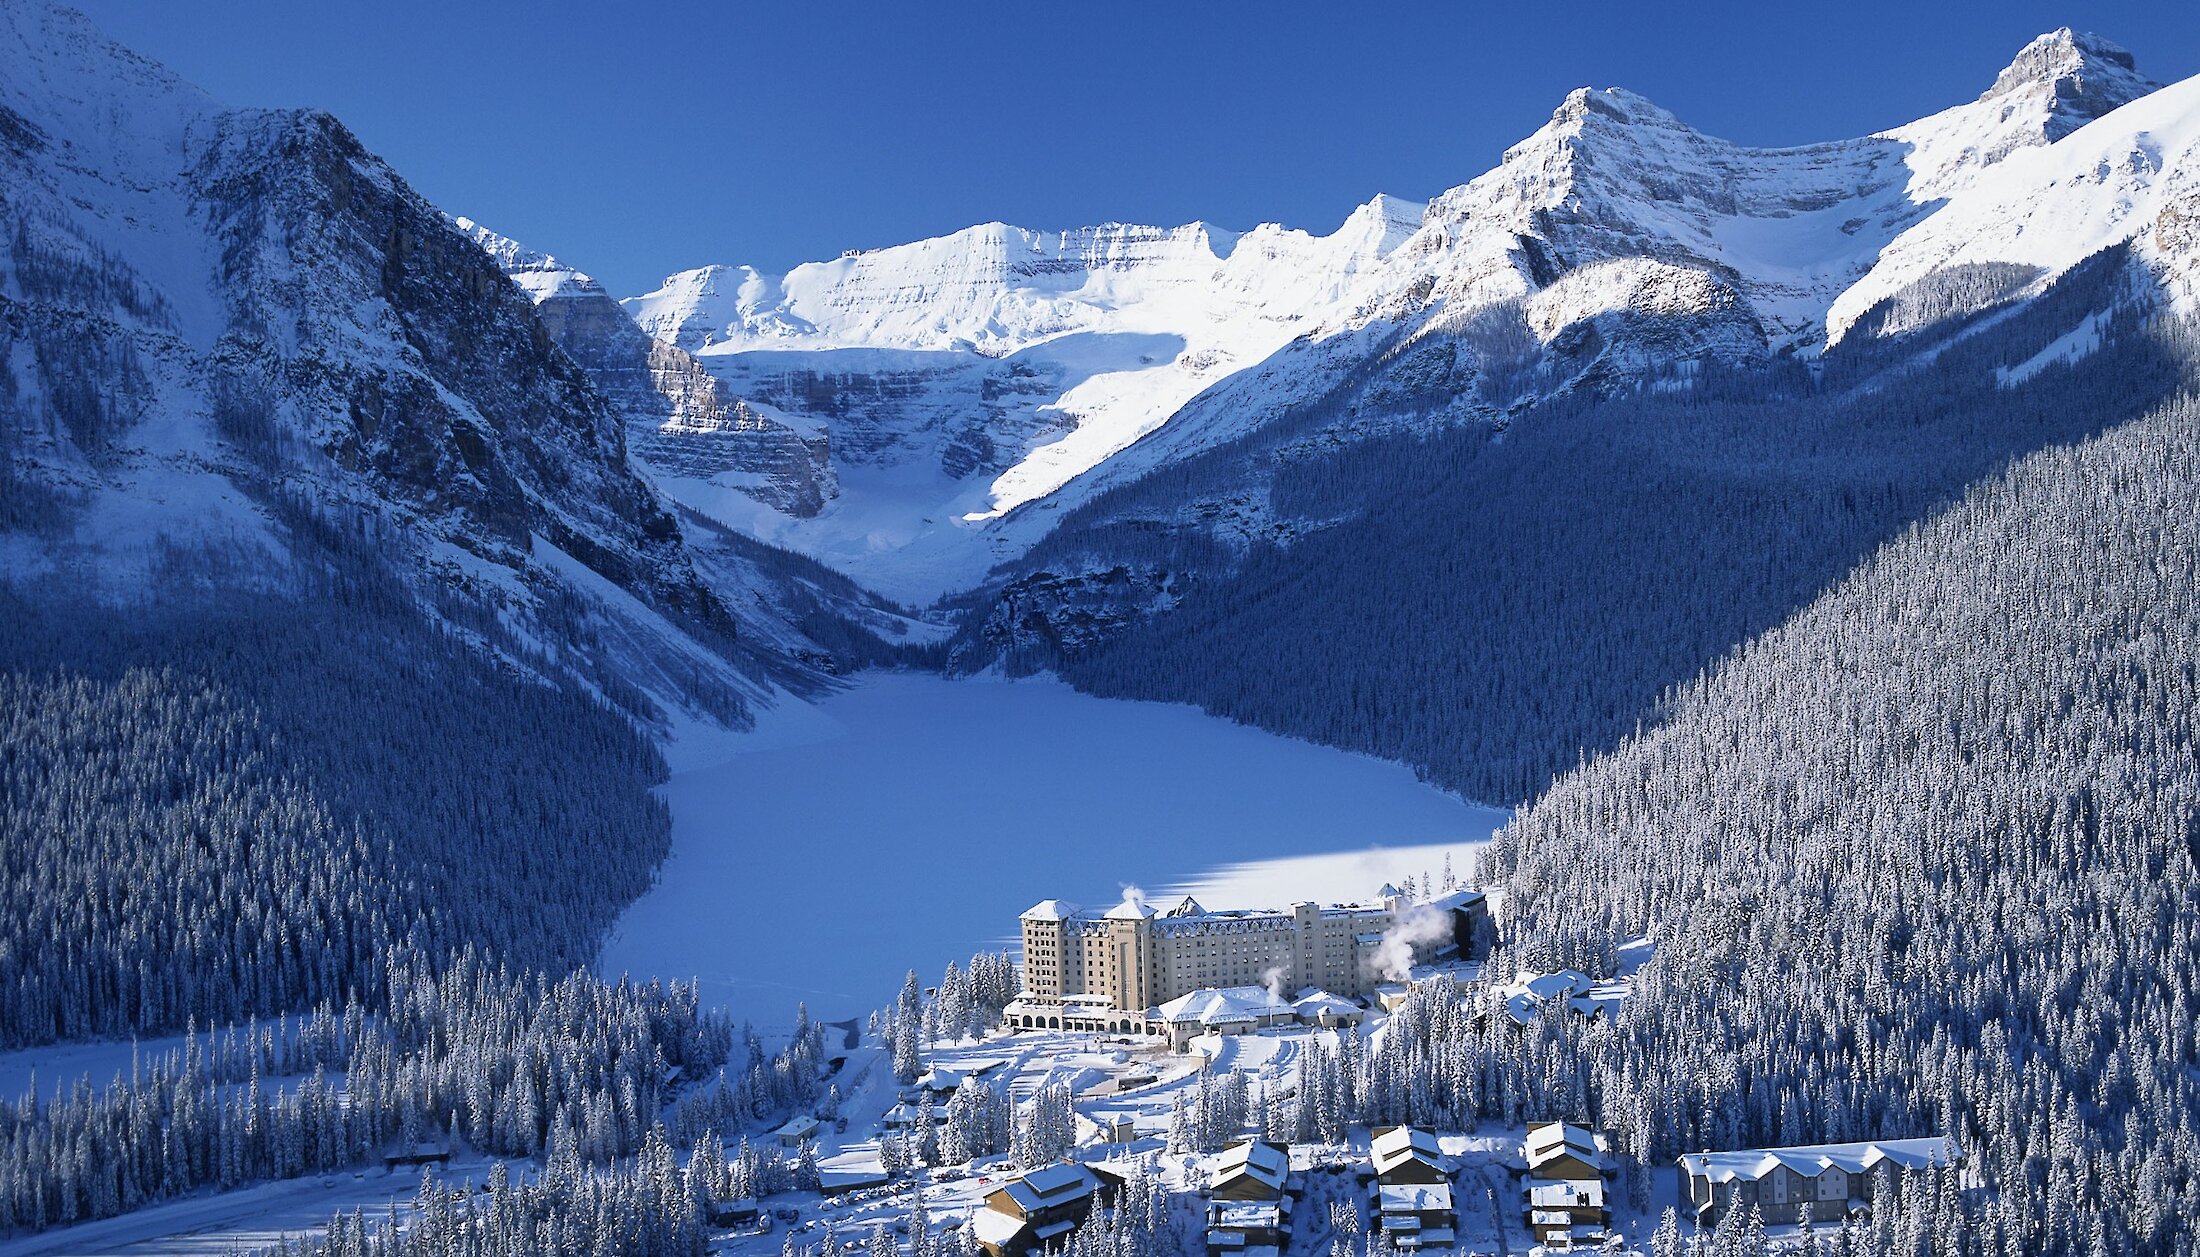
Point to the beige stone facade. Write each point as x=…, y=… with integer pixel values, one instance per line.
x=1134, y=957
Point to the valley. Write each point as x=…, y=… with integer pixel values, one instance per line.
x=1645, y=702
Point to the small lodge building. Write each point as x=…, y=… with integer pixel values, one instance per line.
x=799, y=1130
x=740, y=1214
x=1833, y=1180
x=1249, y=1200
x=1410, y=1189
x=1568, y=1181
x=1039, y=1207
x=1407, y=1154
x=1525, y=997
x=1567, y=1213
x=1320, y=1009
x=1562, y=1150
x=428, y=1152
x=1251, y=1169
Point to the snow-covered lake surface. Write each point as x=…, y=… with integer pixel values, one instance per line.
x=908, y=820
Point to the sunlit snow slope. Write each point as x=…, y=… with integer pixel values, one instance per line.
x=966, y=376
x=976, y=385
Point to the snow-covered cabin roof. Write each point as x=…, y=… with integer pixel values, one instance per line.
x=1250, y=1215
x=1051, y=910
x=1526, y=994
x=1050, y=1185
x=1413, y=1197
x=1400, y=1144
x=1552, y=1193
x=1548, y=1141
x=1257, y=1159
x=1811, y=1160
x=1211, y=1006
x=1550, y=985
x=995, y=1227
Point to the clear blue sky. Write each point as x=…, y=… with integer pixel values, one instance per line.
x=773, y=133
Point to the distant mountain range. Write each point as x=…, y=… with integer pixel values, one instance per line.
x=213, y=309
x=972, y=387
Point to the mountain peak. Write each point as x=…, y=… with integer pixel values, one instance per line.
x=1616, y=104
x=2086, y=76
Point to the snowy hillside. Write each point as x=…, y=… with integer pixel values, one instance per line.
x=2132, y=177
x=999, y=368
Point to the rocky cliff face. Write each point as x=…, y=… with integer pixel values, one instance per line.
x=680, y=420
x=220, y=323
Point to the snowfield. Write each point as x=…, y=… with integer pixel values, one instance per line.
x=910, y=819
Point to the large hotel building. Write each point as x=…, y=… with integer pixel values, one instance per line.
x=1116, y=966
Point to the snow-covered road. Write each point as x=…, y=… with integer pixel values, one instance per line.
x=231, y=1222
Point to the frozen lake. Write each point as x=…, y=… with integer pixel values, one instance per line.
x=908, y=820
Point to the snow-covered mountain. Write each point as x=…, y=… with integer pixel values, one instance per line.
x=240, y=329
x=2131, y=178
x=1617, y=251
x=1618, y=246
x=964, y=377
x=680, y=419
x=977, y=385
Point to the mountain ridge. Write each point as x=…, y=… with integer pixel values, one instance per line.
x=1613, y=245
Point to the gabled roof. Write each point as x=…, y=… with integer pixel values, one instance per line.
x=1258, y=1159
x=1399, y=1144
x=1548, y=1141
x=1211, y=1005
x=1050, y=910
x=1550, y=985
x=1050, y=1185
x=1313, y=1002
x=995, y=1227
x=1811, y=1160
